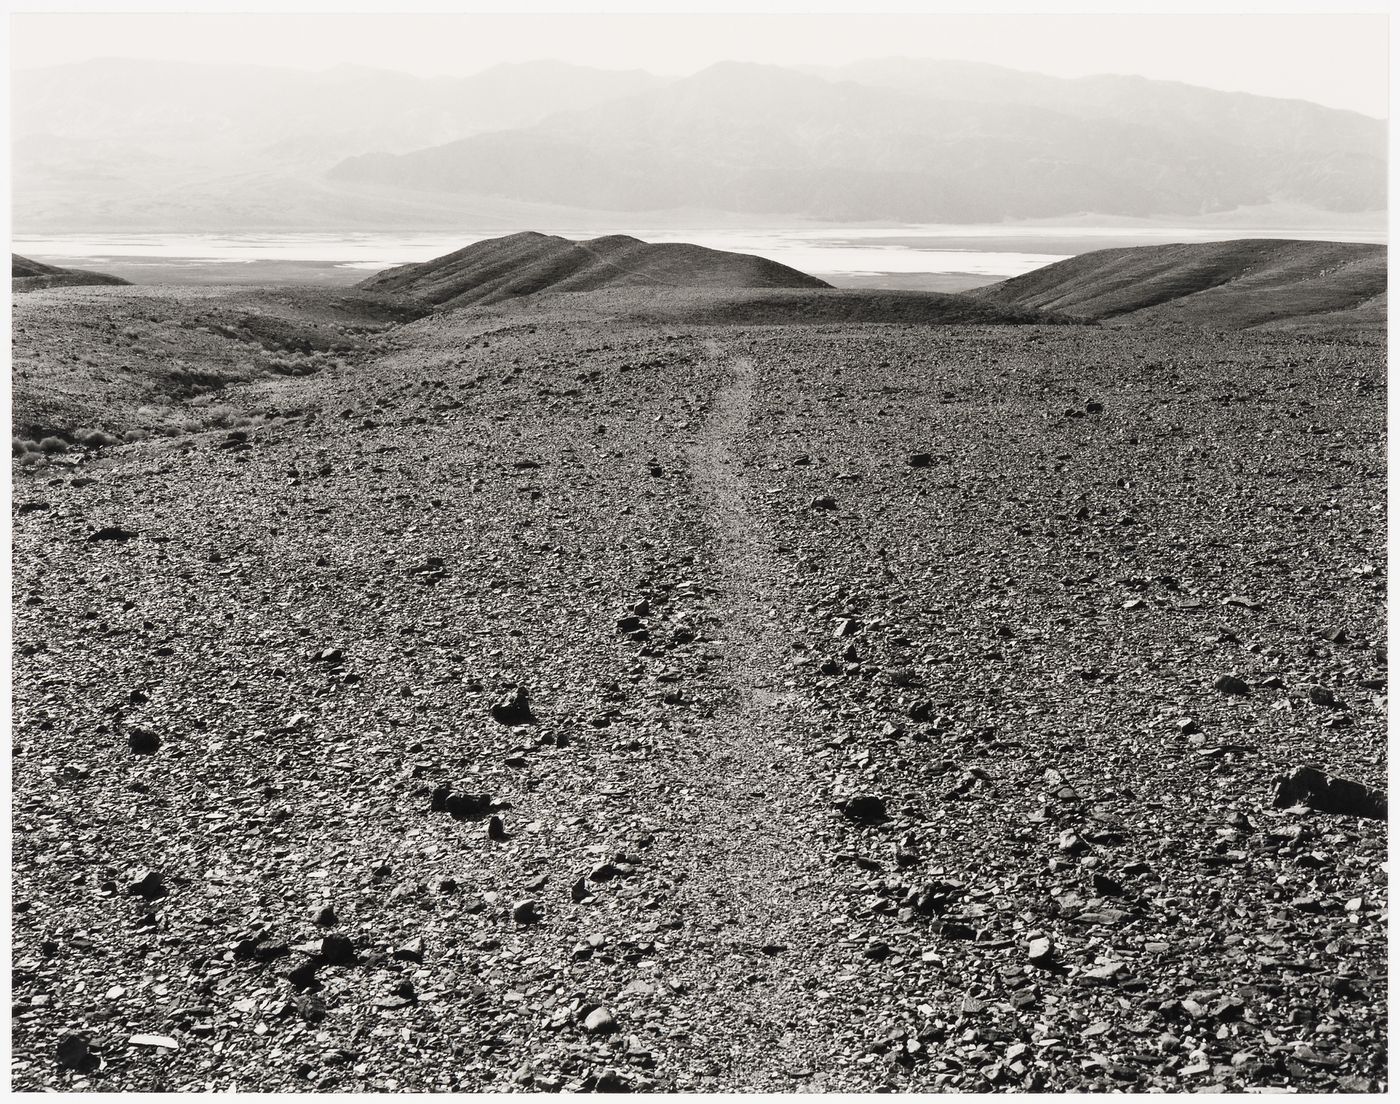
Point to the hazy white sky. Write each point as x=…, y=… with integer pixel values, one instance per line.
x=1338, y=60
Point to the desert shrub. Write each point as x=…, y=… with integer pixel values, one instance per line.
x=222, y=417
x=134, y=435
x=226, y=417
x=95, y=438
x=51, y=445
x=19, y=446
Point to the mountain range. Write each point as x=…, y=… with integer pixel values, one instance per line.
x=123, y=144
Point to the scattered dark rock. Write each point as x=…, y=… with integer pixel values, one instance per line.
x=1230, y=684
x=410, y=951
x=75, y=1052
x=1322, y=696
x=112, y=533
x=149, y=884
x=865, y=809
x=604, y=872
x=513, y=709
x=143, y=741
x=1325, y=793
x=1105, y=886
x=469, y=806
x=338, y=950
x=462, y=805
x=610, y=1080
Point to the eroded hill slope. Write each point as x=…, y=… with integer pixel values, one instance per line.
x=1232, y=284
x=29, y=275
x=528, y=263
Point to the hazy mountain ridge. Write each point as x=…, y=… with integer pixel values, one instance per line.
x=764, y=139
x=116, y=143
x=225, y=111
x=121, y=144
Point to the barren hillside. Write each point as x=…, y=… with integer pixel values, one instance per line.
x=1234, y=284
x=27, y=275
x=529, y=263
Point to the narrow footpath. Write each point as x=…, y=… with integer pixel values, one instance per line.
x=754, y=884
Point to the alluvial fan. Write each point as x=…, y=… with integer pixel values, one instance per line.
x=527, y=700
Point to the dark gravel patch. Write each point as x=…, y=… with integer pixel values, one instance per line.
x=928, y=790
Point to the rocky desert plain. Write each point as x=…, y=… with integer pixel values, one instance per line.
x=607, y=667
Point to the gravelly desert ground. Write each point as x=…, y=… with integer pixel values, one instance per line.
x=876, y=741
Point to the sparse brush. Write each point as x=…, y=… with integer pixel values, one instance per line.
x=51, y=445
x=19, y=446
x=222, y=417
x=96, y=438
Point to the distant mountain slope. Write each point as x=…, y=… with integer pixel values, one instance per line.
x=1234, y=284
x=524, y=264
x=1253, y=122
x=111, y=143
x=123, y=115
x=762, y=139
x=27, y=275
x=121, y=145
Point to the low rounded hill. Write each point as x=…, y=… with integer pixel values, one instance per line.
x=528, y=263
x=1251, y=282
x=28, y=275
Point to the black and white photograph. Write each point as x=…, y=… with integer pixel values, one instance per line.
x=698, y=552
